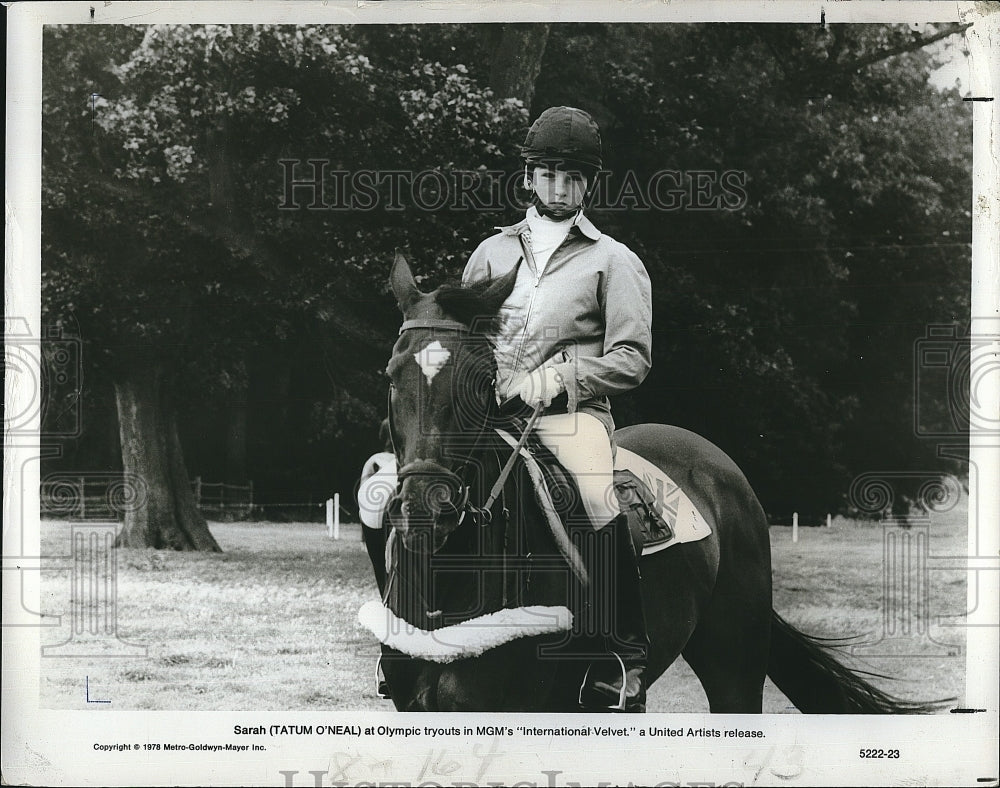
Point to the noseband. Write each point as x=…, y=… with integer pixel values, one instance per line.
x=457, y=478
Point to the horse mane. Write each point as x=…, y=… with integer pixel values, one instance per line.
x=467, y=304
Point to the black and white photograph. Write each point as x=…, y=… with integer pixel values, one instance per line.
x=616, y=385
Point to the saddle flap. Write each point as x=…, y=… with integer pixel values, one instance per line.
x=667, y=502
x=648, y=528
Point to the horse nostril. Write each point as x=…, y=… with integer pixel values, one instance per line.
x=413, y=515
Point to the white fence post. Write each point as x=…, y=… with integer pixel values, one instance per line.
x=829, y=520
x=795, y=527
x=329, y=517
x=336, y=515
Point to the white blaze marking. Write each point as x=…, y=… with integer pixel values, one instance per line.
x=431, y=359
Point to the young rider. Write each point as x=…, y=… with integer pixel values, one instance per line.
x=577, y=323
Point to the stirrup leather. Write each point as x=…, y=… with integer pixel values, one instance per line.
x=621, y=695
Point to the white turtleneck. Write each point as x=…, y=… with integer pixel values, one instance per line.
x=546, y=235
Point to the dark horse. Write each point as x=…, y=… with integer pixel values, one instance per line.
x=449, y=561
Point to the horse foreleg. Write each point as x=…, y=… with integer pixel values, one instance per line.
x=412, y=682
x=517, y=676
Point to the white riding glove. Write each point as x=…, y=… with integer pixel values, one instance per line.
x=542, y=385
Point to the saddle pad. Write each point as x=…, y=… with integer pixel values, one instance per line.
x=672, y=503
x=466, y=639
x=377, y=487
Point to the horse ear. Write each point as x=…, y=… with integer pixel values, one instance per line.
x=499, y=289
x=401, y=280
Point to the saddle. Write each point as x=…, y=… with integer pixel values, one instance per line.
x=645, y=510
x=657, y=520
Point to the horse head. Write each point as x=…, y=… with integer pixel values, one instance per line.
x=441, y=398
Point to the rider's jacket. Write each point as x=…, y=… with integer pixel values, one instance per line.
x=588, y=314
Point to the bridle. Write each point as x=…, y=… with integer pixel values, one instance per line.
x=482, y=515
x=457, y=478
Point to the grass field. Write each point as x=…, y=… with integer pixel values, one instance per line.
x=271, y=622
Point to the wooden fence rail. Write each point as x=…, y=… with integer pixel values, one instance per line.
x=103, y=496
x=232, y=500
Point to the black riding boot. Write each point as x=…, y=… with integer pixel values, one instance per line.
x=616, y=680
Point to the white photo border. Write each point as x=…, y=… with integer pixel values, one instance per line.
x=58, y=747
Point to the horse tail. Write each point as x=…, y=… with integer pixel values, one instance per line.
x=806, y=669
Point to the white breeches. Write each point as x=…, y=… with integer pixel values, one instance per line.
x=580, y=442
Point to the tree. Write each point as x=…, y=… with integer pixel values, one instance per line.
x=785, y=320
x=779, y=324
x=518, y=50
x=102, y=258
x=172, y=220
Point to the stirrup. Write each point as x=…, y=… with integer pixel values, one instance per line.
x=621, y=694
x=381, y=685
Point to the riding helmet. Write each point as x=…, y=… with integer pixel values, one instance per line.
x=564, y=134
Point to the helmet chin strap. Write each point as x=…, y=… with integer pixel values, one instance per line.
x=548, y=213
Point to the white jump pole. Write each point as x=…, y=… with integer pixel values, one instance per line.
x=329, y=517
x=795, y=527
x=829, y=520
x=336, y=515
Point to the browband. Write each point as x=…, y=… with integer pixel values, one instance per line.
x=433, y=322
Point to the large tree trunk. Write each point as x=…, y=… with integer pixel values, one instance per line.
x=517, y=59
x=168, y=517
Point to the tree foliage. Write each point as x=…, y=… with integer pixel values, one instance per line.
x=787, y=329
x=785, y=326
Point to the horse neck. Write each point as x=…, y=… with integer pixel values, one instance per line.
x=510, y=544
x=481, y=568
